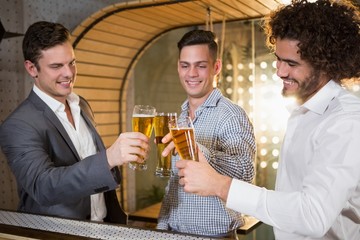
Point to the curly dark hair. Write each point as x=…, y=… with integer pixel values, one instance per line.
x=328, y=32
x=43, y=35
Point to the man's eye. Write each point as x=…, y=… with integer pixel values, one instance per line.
x=291, y=64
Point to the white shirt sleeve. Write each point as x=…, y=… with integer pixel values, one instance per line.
x=328, y=189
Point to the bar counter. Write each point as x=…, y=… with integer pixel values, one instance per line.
x=15, y=225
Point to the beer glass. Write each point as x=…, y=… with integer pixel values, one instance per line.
x=142, y=121
x=183, y=136
x=161, y=128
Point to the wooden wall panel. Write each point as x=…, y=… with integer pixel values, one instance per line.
x=269, y=4
x=102, y=58
x=107, y=118
x=173, y=13
x=163, y=16
x=83, y=81
x=98, y=70
x=108, y=129
x=105, y=106
x=151, y=20
x=260, y=8
x=117, y=17
x=133, y=41
x=121, y=29
x=98, y=94
x=109, y=140
x=191, y=13
x=108, y=48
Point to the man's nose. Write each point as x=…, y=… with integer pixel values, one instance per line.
x=282, y=69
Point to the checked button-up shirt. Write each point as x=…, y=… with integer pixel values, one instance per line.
x=225, y=136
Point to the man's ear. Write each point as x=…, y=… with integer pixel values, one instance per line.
x=31, y=68
x=217, y=67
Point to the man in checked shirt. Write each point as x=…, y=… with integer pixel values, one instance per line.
x=224, y=135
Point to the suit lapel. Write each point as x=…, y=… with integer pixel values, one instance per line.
x=53, y=119
x=87, y=114
x=96, y=137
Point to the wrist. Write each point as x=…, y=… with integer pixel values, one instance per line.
x=109, y=159
x=224, y=187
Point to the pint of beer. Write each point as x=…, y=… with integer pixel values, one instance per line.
x=161, y=128
x=142, y=121
x=183, y=135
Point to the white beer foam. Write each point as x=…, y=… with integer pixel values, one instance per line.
x=143, y=115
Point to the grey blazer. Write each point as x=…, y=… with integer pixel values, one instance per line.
x=51, y=178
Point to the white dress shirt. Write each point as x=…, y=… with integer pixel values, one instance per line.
x=318, y=181
x=81, y=138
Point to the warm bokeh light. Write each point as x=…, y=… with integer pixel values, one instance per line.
x=356, y=88
x=275, y=165
x=273, y=64
x=229, y=90
x=275, y=140
x=229, y=66
x=263, y=77
x=263, y=65
x=263, y=164
x=263, y=152
x=251, y=78
x=275, y=152
x=263, y=127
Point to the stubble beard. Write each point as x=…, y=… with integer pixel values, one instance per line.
x=306, y=88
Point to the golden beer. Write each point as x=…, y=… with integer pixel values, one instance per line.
x=184, y=140
x=161, y=128
x=142, y=121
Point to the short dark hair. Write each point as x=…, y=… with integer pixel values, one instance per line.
x=41, y=36
x=196, y=37
x=327, y=31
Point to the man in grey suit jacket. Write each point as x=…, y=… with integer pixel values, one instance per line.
x=59, y=160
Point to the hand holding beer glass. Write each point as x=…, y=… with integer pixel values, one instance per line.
x=161, y=128
x=142, y=121
x=183, y=135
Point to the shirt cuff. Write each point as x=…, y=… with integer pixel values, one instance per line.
x=162, y=226
x=243, y=197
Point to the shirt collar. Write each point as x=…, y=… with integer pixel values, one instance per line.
x=320, y=101
x=211, y=101
x=54, y=104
